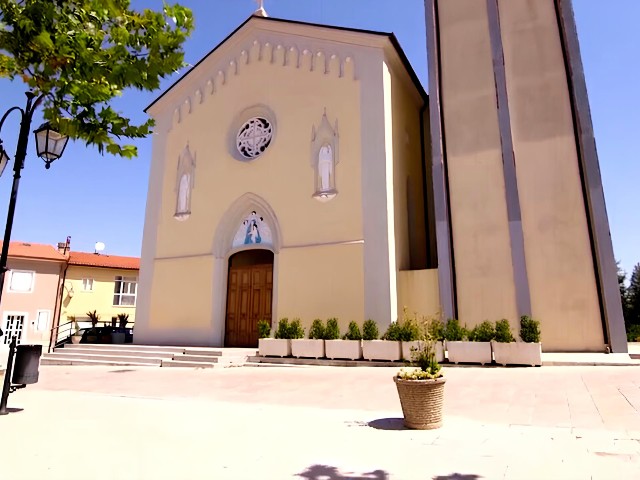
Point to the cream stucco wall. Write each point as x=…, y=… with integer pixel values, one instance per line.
x=418, y=291
x=331, y=259
x=99, y=299
x=564, y=293
x=322, y=282
x=187, y=264
x=479, y=224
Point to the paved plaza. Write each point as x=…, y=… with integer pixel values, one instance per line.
x=318, y=423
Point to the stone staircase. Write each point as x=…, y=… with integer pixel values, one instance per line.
x=147, y=355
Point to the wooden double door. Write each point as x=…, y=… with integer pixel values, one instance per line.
x=249, y=298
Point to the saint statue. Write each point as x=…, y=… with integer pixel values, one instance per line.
x=325, y=167
x=184, y=192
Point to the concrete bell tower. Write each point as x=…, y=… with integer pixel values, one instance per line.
x=521, y=222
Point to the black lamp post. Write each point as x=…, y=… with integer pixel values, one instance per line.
x=49, y=145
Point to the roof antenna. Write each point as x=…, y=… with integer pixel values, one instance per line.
x=260, y=12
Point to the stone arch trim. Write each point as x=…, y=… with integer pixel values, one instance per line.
x=237, y=211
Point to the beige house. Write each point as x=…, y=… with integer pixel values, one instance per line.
x=298, y=170
x=30, y=296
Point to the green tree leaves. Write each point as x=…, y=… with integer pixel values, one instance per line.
x=83, y=53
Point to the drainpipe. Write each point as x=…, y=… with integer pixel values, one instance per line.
x=58, y=306
x=59, y=293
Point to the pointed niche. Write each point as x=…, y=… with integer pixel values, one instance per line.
x=324, y=158
x=184, y=184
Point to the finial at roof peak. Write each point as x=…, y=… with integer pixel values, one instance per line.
x=260, y=12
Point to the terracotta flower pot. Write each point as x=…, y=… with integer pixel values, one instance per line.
x=422, y=402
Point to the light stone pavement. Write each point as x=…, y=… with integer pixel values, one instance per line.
x=317, y=423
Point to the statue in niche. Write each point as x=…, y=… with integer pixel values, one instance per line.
x=324, y=158
x=325, y=167
x=186, y=167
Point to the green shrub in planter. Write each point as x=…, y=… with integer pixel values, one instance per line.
x=503, y=332
x=393, y=333
x=370, y=330
x=316, y=332
x=484, y=332
x=529, y=329
x=353, y=332
x=264, y=329
x=454, y=332
x=332, y=330
x=295, y=329
x=409, y=328
x=434, y=329
x=282, y=332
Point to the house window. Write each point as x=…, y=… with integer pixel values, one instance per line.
x=21, y=281
x=87, y=284
x=124, y=292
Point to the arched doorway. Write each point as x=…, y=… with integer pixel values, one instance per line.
x=249, y=296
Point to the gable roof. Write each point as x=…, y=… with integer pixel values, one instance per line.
x=391, y=36
x=103, y=261
x=34, y=251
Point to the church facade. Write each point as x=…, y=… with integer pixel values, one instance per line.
x=294, y=175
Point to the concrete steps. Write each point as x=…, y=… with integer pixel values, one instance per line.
x=147, y=355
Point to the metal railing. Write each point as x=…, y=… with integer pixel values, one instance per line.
x=63, y=332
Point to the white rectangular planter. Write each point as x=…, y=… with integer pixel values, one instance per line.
x=307, y=348
x=407, y=346
x=381, y=350
x=347, y=349
x=469, y=352
x=517, y=353
x=274, y=347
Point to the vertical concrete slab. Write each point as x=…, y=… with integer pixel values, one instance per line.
x=484, y=273
x=606, y=269
x=445, y=260
x=564, y=290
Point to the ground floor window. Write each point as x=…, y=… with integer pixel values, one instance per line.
x=124, y=292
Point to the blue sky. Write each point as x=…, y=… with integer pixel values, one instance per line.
x=102, y=198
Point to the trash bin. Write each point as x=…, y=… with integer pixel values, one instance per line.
x=26, y=364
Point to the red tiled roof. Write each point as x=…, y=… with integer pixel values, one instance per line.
x=34, y=250
x=103, y=261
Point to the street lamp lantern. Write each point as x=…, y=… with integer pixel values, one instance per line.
x=49, y=144
x=4, y=158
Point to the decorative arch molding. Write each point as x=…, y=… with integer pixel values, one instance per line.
x=232, y=220
x=324, y=62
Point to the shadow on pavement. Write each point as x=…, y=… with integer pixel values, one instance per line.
x=388, y=424
x=325, y=472
x=14, y=410
x=458, y=476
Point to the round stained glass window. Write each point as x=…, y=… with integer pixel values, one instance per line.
x=254, y=137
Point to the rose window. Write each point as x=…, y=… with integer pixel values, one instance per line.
x=254, y=137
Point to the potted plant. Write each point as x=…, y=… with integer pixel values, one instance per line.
x=350, y=347
x=421, y=389
x=408, y=332
x=119, y=336
x=386, y=349
x=92, y=335
x=312, y=347
x=477, y=349
x=77, y=336
x=280, y=346
x=529, y=351
x=469, y=347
